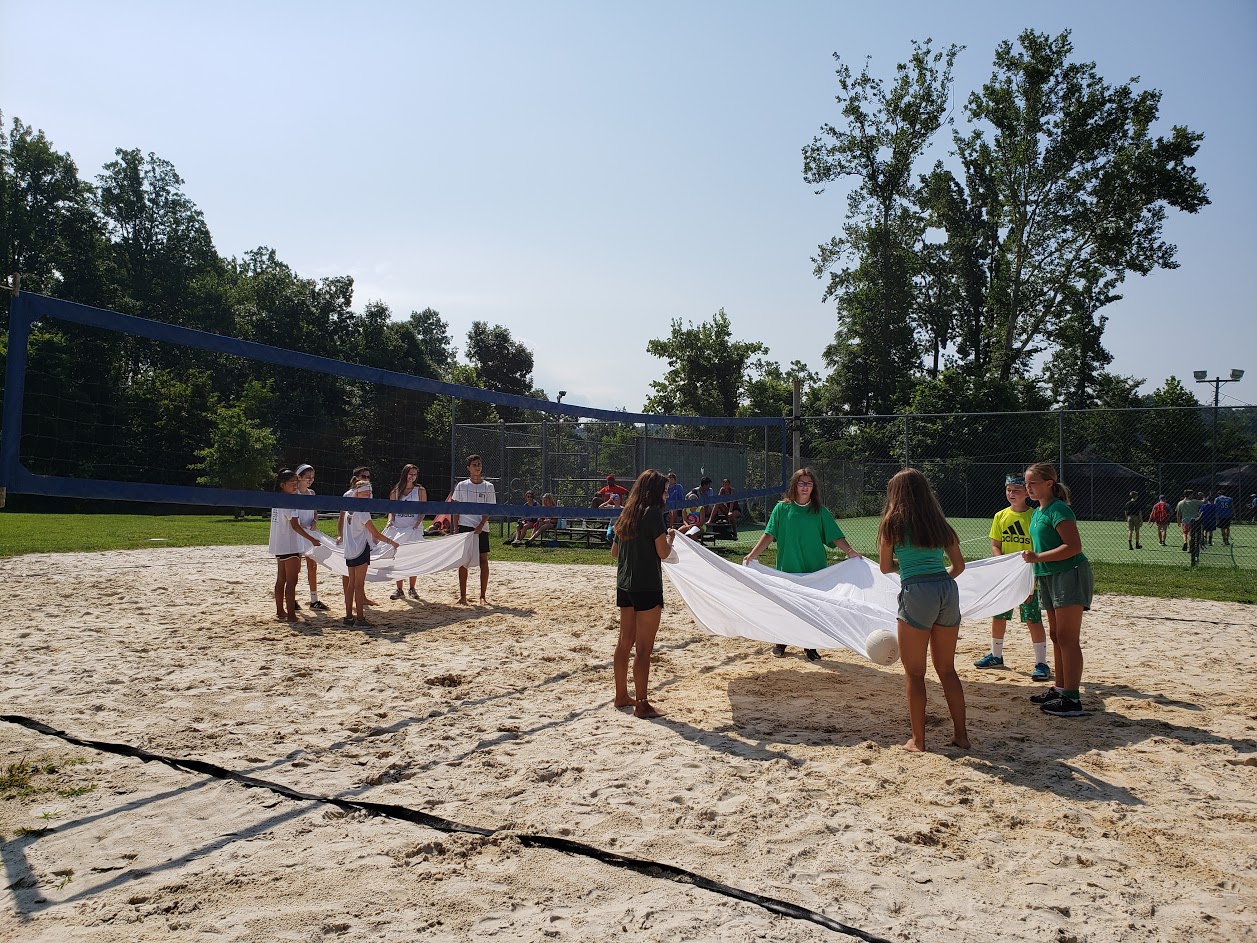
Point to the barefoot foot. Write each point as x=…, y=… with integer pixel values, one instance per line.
x=960, y=742
x=645, y=710
x=912, y=747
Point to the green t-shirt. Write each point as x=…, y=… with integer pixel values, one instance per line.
x=1012, y=530
x=802, y=536
x=1044, y=537
x=920, y=561
x=638, y=569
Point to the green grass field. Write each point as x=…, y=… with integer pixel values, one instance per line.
x=1154, y=571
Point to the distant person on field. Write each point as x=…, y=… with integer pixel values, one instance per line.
x=1161, y=516
x=1187, y=513
x=608, y=489
x=1134, y=520
x=1010, y=533
x=543, y=524
x=676, y=492
x=1208, y=520
x=525, y=524
x=476, y=490
x=1226, y=512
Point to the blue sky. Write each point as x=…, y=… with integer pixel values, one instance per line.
x=585, y=173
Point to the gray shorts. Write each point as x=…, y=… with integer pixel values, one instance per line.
x=1070, y=588
x=927, y=601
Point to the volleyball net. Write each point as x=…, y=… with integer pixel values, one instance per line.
x=105, y=406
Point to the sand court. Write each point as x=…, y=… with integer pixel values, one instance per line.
x=776, y=776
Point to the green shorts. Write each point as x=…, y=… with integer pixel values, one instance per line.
x=1069, y=588
x=1029, y=611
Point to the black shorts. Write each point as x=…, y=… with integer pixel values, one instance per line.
x=484, y=538
x=361, y=559
x=642, y=602
x=287, y=556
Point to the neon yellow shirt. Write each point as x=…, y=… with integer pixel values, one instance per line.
x=1012, y=530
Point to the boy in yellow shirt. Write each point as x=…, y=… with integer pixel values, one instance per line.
x=1010, y=533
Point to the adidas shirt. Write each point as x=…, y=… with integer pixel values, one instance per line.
x=1012, y=530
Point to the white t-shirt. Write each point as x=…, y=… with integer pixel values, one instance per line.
x=283, y=538
x=483, y=493
x=308, y=519
x=354, y=537
x=407, y=520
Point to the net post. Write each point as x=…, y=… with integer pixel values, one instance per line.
x=14, y=390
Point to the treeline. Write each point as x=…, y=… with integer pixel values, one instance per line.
x=105, y=405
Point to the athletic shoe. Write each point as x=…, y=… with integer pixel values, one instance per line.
x=397, y=594
x=413, y=594
x=779, y=651
x=1063, y=707
x=811, y=654
x=1051, y=694
x=989, y=660
x=1041, y=672
x=320, y=605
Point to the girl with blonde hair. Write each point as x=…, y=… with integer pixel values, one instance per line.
x=1066, y=585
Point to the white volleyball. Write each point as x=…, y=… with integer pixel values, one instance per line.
x=882, y=647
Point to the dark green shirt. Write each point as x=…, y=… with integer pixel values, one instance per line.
x=638, y=568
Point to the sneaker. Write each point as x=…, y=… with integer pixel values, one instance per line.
x=320, y=605
x=779, y=651
x=397, y=594
x=1051, y=694
x=1063, y=707
x=413, y=594
x=1041, y=672
x=811, y=654
x=989, y=660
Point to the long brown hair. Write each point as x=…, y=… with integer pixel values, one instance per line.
x=1048, y=473
x=913, y=514
x=792, y=489
x=399, y=489
x=648, y=492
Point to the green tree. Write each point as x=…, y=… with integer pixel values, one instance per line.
x=48, y=231
x=161, y=243
x=1065, y=191
x=501, y=364
x=242, y=449
x=877, y=273
x=707, y=373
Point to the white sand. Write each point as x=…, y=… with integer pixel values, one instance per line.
x=1134, y=823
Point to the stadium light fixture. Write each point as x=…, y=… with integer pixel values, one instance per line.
x=1202, y=376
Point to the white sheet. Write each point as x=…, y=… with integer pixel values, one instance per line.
x=414, y=559
x=841, y=605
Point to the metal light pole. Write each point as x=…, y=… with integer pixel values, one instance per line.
x=1202, y=376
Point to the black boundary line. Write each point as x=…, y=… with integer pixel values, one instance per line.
x=643, y=866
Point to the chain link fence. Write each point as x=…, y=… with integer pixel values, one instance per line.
x=1107, y=458
x=571, y=460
